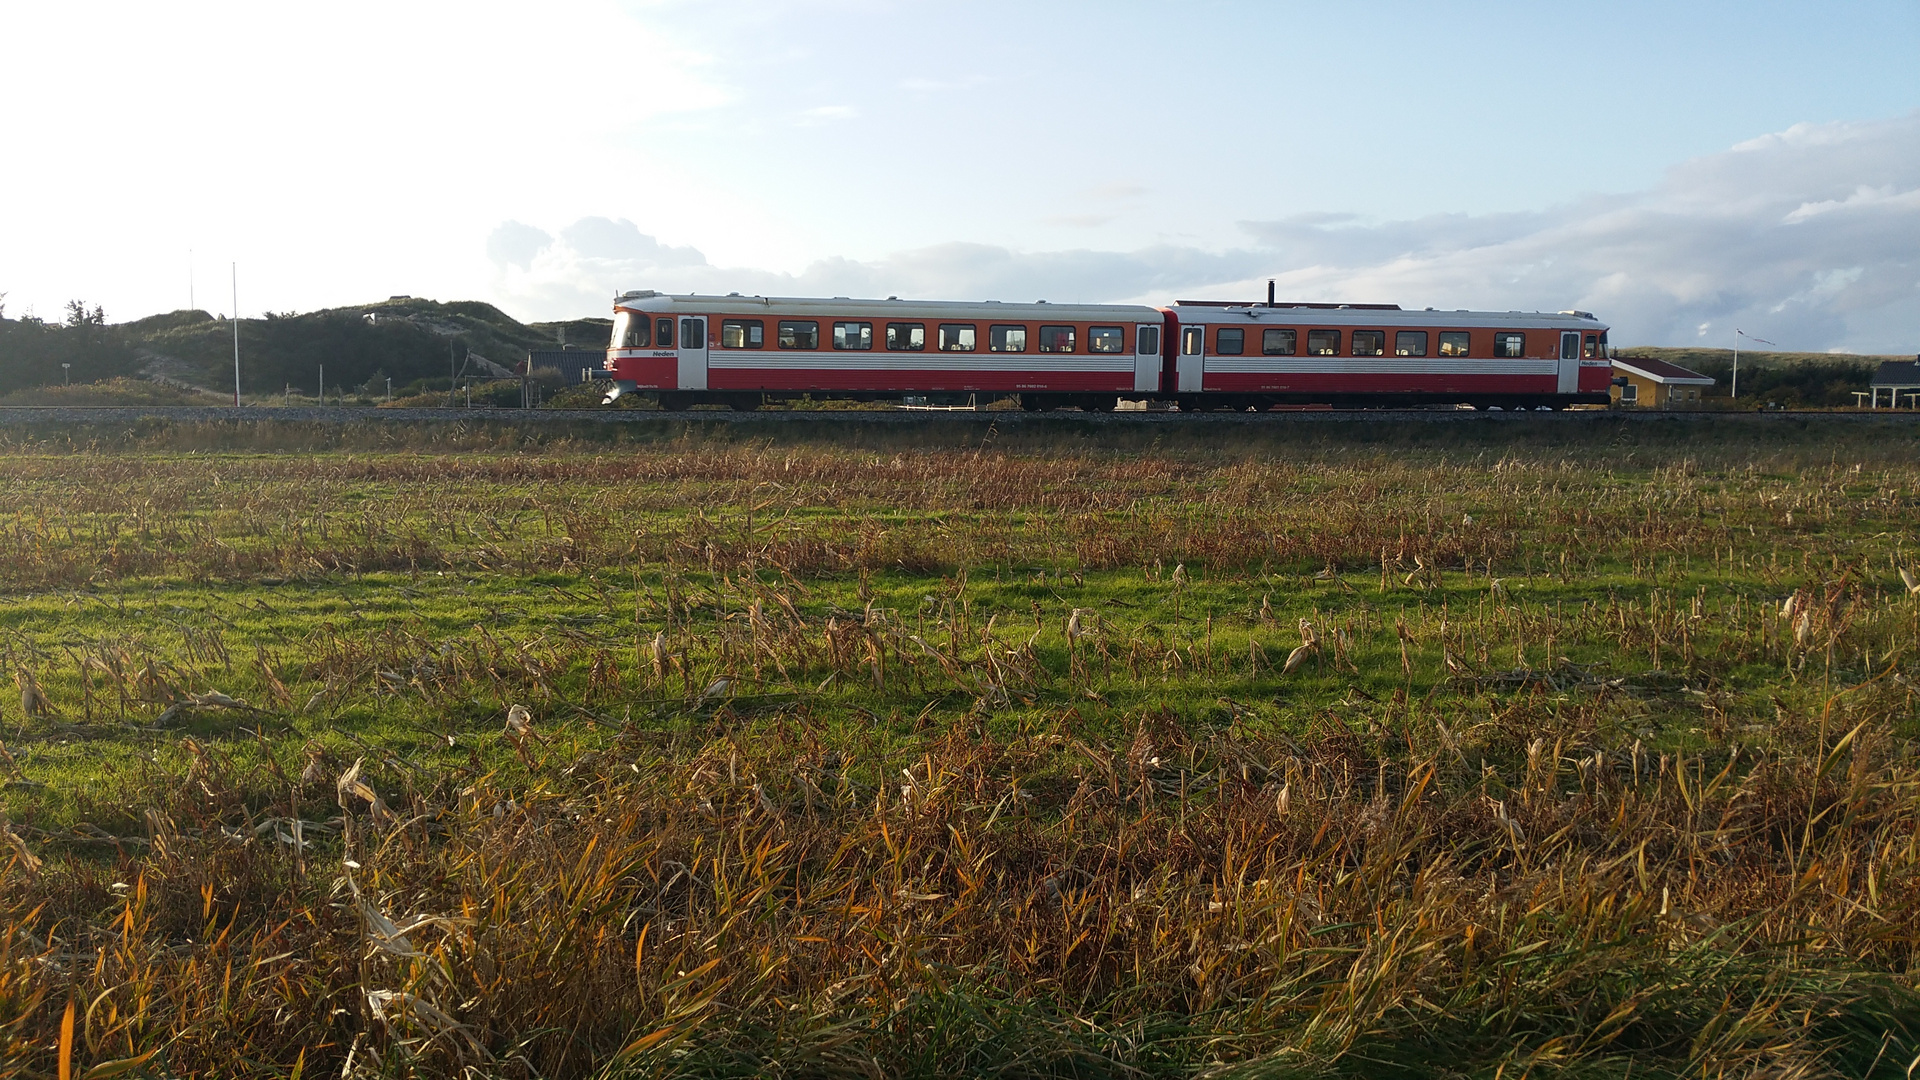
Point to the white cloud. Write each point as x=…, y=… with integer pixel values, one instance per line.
x=1810, y=236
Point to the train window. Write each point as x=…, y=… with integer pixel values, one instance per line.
x=957, y=337
x=1323, y=343
x=1369, y=343
x=906, y=336
x=1006, y=339
x=1193, y=342
x=1230, y=341
x=1106, y=339
x=853, y=335
x=1056, y=339
x=1509, y=345
x=1409, y=343
x=693, y=334
x=1453, y=343
x=1593, y=346
x=663, y=334
x=742, y=334
x=1148, y=342
x=632, y=333
x=1570, y=346
x=1279, y=342
x=799, y=334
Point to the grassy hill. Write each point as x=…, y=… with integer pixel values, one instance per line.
x=408, y=340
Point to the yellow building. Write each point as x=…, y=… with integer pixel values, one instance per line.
x=1655, y=384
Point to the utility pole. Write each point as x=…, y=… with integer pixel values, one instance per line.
x=323, y=384
x=452, y=376
x=236, y=334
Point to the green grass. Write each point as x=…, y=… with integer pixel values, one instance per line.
x=939, y=761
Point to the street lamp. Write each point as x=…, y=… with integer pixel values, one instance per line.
x=1737, y=335
x=66, y=373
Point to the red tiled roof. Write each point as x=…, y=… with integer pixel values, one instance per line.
x=1660, y=370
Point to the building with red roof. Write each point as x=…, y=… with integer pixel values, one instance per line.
x=1655, y=384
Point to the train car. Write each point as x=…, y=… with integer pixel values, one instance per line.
x=1239, y=356
x=742, y=351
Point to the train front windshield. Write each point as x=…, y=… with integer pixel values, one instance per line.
x=629, y=332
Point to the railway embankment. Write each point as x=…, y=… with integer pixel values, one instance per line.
x=98, y=415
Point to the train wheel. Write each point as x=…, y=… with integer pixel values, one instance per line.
x=743, y=402
x=1033, y=403
x=673, y=402
x=1097, y=403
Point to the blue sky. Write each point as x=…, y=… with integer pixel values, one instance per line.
x=1678, y=168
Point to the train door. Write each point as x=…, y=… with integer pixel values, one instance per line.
x=693, y=353
x=1193, y=358
x=1146, y=358
x=1569, y=363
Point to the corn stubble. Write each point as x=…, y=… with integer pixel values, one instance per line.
x=1386, y=809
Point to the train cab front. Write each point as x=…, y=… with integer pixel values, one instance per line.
x=640, y=353
x=1596, y=365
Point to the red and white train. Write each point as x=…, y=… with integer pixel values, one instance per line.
x=743, y=351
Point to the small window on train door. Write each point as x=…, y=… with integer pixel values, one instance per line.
x=799, y=334
x=1193, y=341
x=1323, y=343
x=1453, y=342
x=1369, y=343
x=1279, y=342
x=663, y=334
x=693, y=334
x=1230, y=341
x=906, y=337
x=957, y=337
x=1409, y=343
x=1509, y=345
x=1106, y=339
x=1593, y=346
x=742, y=334
x=1006, y=339
x=853, y=335
x=1148, y=341
x=1570, y=346
x=1056, y=339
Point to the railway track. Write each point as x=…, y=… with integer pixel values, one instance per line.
x=111, y=415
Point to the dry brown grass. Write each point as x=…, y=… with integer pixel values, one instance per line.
x=834, y=763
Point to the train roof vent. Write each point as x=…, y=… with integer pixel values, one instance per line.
x=1579, y=314
x=638, y=294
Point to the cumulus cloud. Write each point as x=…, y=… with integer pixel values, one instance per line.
x=1809, y=237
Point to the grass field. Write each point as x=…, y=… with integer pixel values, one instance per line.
x=1309, y=751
